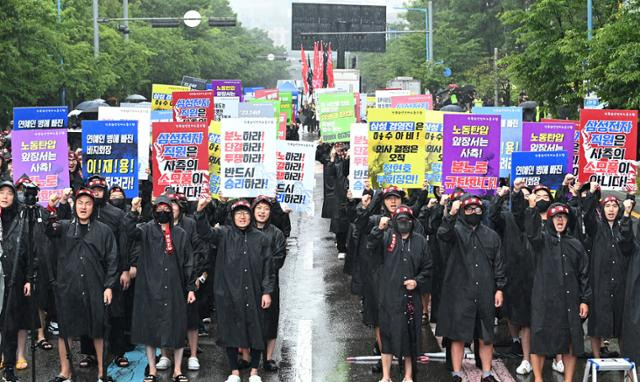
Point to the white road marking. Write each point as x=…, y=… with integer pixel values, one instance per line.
x=303, y=364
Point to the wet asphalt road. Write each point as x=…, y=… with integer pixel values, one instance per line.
x=320, y=326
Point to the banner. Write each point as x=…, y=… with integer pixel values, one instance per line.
x=193, y=106
x=383, y=97
x=194, y=83
x=336, y=112
x=250, y=93
x=180, y=158
x=255, y=110
x=359, y=158
x=227, y=88
x=44, y=156
x=547, y=168
x=282, y=127
x=420, y=101
x=396, y=147
x=110, y=149
x=226, y=107
x=433, y=147
x=162, y=115
x=471, y=157
x=576, y=141
x=214, y=159
x=286, y=106
x=510, y=133
x=161, y=95
x=268, y=94
x=608, y=148
x=248, y=157
x=295, y=174
x=50, y=117
x=143, y=116
x=549, y=136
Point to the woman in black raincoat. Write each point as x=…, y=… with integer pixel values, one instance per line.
x=164, y=284
x=613, y=244
x=473, y=282
x=243, y=283
x=561, y=292
x=406, y=268
x=87, y=267
x=262, y=206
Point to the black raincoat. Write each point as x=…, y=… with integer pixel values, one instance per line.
x=560, y=285
x=431, y=218
x=87, y=264
x=608, y=265
x=474, y=270
x=630, y=346
x=162, y=284
x=401, y=260
x=328, y=180
x=242, y=275
x=340, y=218
x=279, y=251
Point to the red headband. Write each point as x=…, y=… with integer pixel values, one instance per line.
x=240, y=203
x=403, y=210
x=457, y=195
x=608, y=199
x=541, y=187
x=84, y=192
x=97, y=182
x=473, y=201
x=557, y=210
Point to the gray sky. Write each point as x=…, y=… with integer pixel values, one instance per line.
x=274, y=16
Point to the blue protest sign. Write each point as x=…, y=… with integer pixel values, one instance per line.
x=548, y=168
x=510, y=133
x=50, y=117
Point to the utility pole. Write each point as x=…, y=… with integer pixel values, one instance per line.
x=430, y=29
x=589, y=19
x=495, y=71
x=96, y=31
x=125, y=15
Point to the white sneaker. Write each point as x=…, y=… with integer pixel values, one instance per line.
x=385, y=380
x=163, y=364
x=407, y=380
x=193, y=364
x=341, y=256
x=233, y=378
x=255, y=378
x=558, y=366
x=524, y=368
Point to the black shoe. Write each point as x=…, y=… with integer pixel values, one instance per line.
x=376, y=349
x=270, y=366
x=9, y=375
x=377, y=368
x=516, y=348
x=203, y=332
x=456, y=378
x=243, y=364
x=488, y=379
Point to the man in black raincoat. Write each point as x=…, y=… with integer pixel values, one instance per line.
x=406, y=267
x=630, y=347
x=87, y=265
x=325, y=154
x=561, y=292
x=473, y=282
x=339, y=169
x=243, y=283
x=17, y=284
x=164, y=284
x=262, y=206
x=613, y=244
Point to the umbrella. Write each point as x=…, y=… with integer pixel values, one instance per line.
x=452, y=109
x=529, y=105
x=135, y=98
x=91, y=106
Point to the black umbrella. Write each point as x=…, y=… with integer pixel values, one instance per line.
x=135, y=98
x=452, y=109
x=91, y=106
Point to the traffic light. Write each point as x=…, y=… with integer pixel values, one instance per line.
x=165, y=23
x=222, y=21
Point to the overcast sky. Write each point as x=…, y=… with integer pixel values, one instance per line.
x=274, y=16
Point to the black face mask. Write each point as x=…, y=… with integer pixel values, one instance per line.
x=543, y=205
x=117, y=202
x=473, y=219
x=163, y=217
x=99, y=201
x=405, y=226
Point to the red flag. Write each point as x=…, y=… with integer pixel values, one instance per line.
x=305, y=70
x=317, y=66
x=330, y=83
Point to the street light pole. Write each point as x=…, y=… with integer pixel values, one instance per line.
x=96, y=31
x=589, y=19
x=125, y=15
x=430, y=29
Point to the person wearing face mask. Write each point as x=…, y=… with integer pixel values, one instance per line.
x=75, y=172
x=243, y=283
x=473, y=282
x=262, y=206
x=613, y=244
x=87, y=264
x=561, y=292
x=165, y=284
x=117, y=198
x=406, y=266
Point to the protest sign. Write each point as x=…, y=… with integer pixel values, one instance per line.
x=248, y=157
x=295, y=175
x=433, y=148
x=510, y=133
x=161, y=115
x=549, y=136
x=193, y=106
x=282, y=127
x=268, y=94
x=44, y=156
x=226, y=107
x=336, y=113
x=255, y=110
x=359, y=158
x=471, y=158
x=542, y=167
x=420, y=101
x=50, y=117
x=608, y=148
x=194, y=83
x=143, y=116
x=286, y=106
x=214, y=159
x=110, y=149
x=383, y=97
x=576, y=141
x=227, y=88
x=161, y=95
x=250, y=93
x=180, y=158
x=396, y=147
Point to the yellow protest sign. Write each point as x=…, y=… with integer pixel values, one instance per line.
x=396, y=147
x=161, y=95
x=214, y=158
